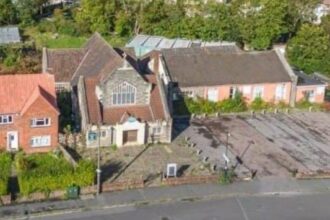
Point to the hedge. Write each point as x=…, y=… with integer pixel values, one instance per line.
x=47, y=172
x=5, y=169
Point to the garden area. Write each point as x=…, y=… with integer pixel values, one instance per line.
x=49, y=172
x=197, y=106
x=5, y=167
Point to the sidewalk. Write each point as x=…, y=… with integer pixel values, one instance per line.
x=146, y=196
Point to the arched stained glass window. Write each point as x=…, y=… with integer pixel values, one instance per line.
x=124, y=94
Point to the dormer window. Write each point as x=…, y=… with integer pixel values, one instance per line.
x=6, y=119
x=124, y=94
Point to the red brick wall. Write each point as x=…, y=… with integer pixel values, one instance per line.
x=40, y=108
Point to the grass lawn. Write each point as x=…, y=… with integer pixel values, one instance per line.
x=52, y=40
x=5, y=168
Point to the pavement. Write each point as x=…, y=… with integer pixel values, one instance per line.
x=160, y=195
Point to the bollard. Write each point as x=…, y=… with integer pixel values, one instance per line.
x=198, y=152
x=214, y=167
x=310, y=108
x=205, y=159
x=275, y=110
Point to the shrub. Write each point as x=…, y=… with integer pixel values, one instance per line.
x=226, y=177
x=46, y=173
x=237, y=104
x=5, y=167
x=114, y=147
x=259, y=104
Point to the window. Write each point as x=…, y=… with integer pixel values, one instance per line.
x=246, y=90
x=280, y=92
x=258, y=92
x=212, y=94
x=309, y=95
x=320, y=90
x=40, y=141
x=232, y=92
x=6, y=119
x=103, y=134
x=157, y=130
x=188, y=93
x=92, y=136
x=40, y=122
x=124, y=94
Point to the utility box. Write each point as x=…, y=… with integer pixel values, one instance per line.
x=72, y=192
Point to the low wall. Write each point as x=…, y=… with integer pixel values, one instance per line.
x=190, y=180
x=313, y=175
x=5, y=200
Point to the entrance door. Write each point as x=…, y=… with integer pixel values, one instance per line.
x=130, y=136
x=12, y=140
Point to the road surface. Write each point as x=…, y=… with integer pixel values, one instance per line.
x=277, y=207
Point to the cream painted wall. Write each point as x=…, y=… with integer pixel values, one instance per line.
x=127, y=126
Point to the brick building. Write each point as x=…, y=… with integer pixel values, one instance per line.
x=218, y=73
x=28, y=113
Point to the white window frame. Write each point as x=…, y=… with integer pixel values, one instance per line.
x=258, y=92
x=157, y=130
x=233, y=90
x=320, y=90
x=310, y=95
x=46, y=122
x=213, y=94
x=40, y=141
x=6, y=119
x=124, y=94
x=246, y=90
x=280, y=92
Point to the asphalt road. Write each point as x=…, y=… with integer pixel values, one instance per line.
x=294, y=207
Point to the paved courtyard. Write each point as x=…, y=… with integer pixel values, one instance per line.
x=267, y=145
x=134, y=162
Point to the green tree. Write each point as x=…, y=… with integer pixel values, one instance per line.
x=261, y=22
x=96, y=15
x=151, y=16
x=8, y=12
x=326, y=24
x=124, y=24
x=309, y=50
x=28, y=10
x=299, y=12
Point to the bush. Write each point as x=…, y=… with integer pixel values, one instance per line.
x=259, y=104
x=226, y=177
x=237, y=104
x=46, y=173
x=199, y=106
x=5, y=167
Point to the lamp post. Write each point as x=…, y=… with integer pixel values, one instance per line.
x=98, y=170
x=226, y=153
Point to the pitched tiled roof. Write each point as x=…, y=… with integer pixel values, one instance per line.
x=100, y=59
x=152, y=112
x=62, y=63
x=18, y=92
x=93, y=106
x=192, y=67
x=97, y=57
